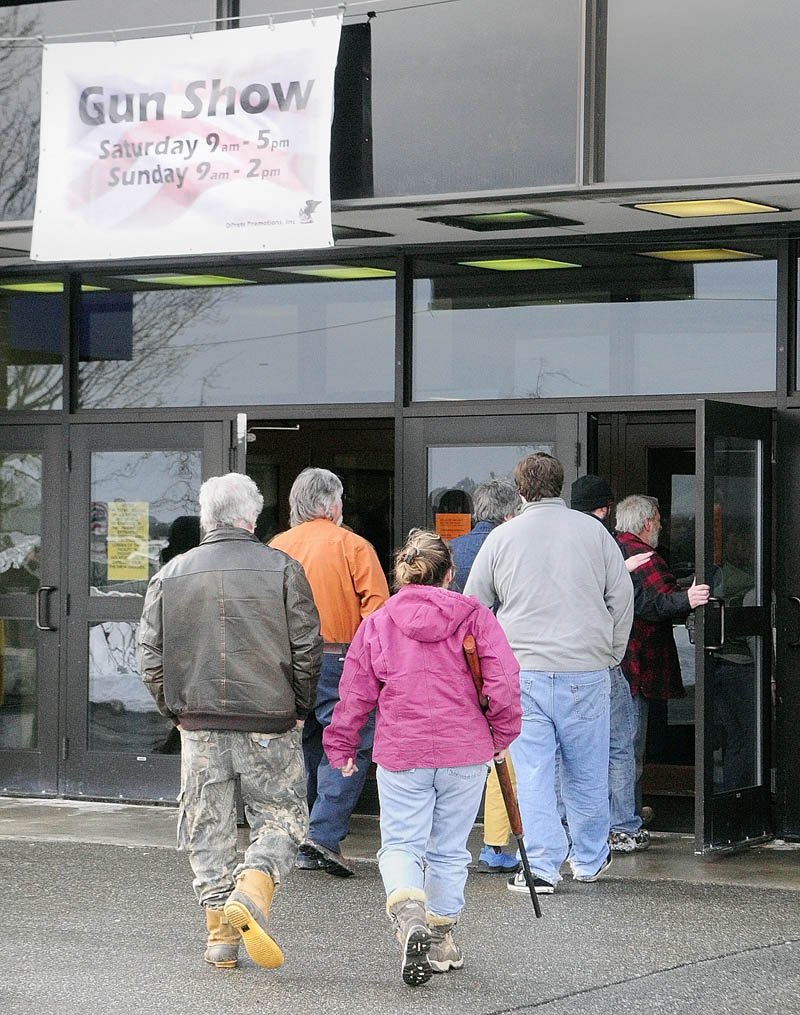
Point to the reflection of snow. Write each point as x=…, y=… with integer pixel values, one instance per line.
x=21, y=548
x=114, y=674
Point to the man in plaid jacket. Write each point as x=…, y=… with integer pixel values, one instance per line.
x=651, y=662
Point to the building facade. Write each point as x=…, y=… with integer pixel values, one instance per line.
x=565, y=225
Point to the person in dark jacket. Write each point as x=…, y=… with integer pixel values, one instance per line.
x=230, y=649
x=651, y=662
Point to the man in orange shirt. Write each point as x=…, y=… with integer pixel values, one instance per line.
x=348, y=584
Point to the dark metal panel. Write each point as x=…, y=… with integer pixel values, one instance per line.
x=787, y=622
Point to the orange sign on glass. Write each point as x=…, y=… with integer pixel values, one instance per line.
x=449, y=524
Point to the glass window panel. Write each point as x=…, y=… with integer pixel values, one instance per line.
x=736, y=578
x=721, y=104
x=737, y=712
x=581, y=332
x=122, y=714
x=21, y=69
x=453, y=474
x=239, y=345
x=20, y=522
x=18, y=684
x=449, y=114
x=143, y=504
x=31, y=341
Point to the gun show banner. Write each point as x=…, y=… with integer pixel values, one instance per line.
x=193, y=144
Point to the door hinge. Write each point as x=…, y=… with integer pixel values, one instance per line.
x=67, y=604
x=578, y=455
x=69, y=461
x=232, y=458
x=64, y=748
x=773, y=615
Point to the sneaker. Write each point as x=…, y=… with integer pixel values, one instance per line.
x=333, y=862
x=519, y=884
x=494, y=861
x=622, y=842
x=647, y=815
x=602, y=869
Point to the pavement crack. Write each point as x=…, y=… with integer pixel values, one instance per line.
x=584, y=991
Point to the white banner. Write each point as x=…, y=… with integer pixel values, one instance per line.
x=203, y=144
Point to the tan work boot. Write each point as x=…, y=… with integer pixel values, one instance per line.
x=445, y=953
x=247, y=910
x=222, y=946
x=406, y=909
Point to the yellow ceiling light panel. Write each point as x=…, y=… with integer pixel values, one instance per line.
x=706, y=208
x=46, y=287
x=342, y=272
x=520, y=264
x=702, y=254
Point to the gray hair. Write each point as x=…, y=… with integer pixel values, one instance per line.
x=494, y=501
x=228, y=501
x=634, y=511
x=314, y=494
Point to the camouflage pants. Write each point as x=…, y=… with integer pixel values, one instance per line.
x=274, y=793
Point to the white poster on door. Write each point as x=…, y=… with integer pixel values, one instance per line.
x=193, y=144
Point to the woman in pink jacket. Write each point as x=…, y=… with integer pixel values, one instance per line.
x=432, y=744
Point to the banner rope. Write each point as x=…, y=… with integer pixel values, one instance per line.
x=342, y=9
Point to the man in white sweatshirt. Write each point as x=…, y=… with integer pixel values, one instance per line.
x=566, y=606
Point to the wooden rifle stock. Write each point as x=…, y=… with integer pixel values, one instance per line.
x=506, y=787
x=504, y=779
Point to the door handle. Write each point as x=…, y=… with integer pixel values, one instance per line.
x=795, y=643
x=42, y=608
x=720, y=610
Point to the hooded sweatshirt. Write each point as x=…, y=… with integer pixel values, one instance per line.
x=407, y=661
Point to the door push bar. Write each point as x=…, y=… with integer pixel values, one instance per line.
x=795, y=643
x=720, y=609
x=42, y=610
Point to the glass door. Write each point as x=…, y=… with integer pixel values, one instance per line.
x=446, y=458
x=733, y=633
x=134, y=488
x=30, y=606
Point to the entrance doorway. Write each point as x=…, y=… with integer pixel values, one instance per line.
x=654, y=454
x=359, y=451
x=708, y=753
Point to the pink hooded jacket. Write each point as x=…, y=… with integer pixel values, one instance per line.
x=407, y=659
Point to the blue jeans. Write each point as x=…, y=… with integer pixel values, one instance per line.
x=621, y=758
x=641, y=707
x=426, y=817
x=569, y=711
x=332, y=798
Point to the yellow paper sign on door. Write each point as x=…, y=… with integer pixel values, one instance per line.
x=128, y=539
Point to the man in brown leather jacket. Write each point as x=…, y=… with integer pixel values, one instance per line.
x=230, y=649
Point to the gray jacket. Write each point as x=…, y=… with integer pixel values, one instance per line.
x=229, y=637
x=566, y=599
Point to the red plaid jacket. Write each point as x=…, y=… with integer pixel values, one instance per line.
x=651, y=660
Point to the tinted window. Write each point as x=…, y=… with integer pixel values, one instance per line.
x=701, y=88
x=594, y=330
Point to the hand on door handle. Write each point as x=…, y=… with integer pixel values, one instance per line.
x=42, y=612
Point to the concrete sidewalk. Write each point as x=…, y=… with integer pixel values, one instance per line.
x=99, y=917
x=671, y=856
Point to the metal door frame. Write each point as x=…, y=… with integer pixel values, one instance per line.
x=729, y=820
x=109, y=774
x=35, y=771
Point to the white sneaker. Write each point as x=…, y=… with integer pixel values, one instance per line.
x=519, y=883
